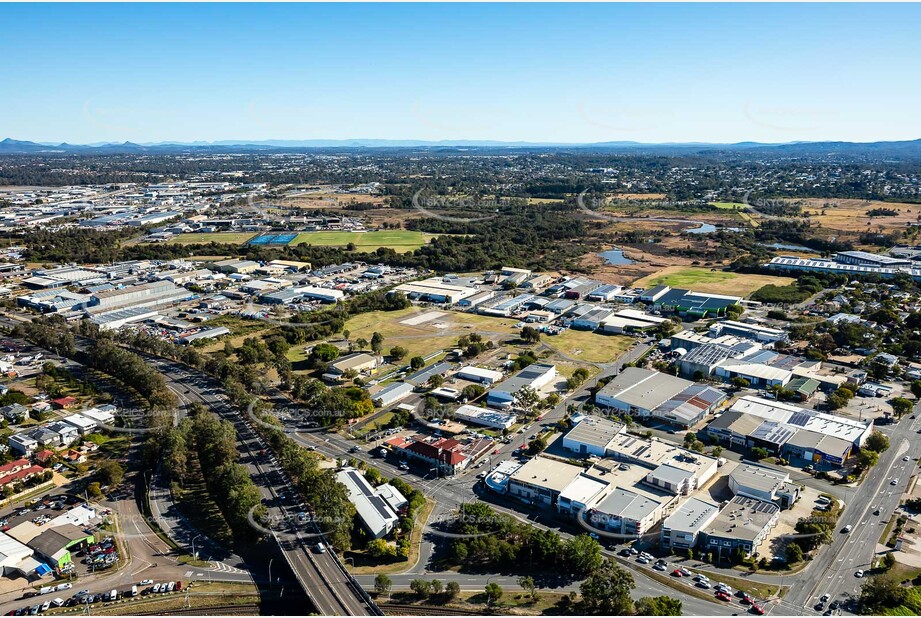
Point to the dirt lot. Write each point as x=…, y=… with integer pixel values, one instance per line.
x=850, y=215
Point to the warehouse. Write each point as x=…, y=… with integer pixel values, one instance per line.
x=155, y=294
x=208, y=333
x=793, y=263
x=477, y=299
x=235, y=266
x=755, y=332
x=479, y=375
x=424, y=375
x=626, y=512
x=506, y=307
x=435, y=290
x=654, y=454
x=533, y=376
x=392, y=393
x=604, y=293
x=643, y=392
x=591, y=320
x=694, y=304
x=592, y=435
x=358, y=362
x=64, y=276
x=854, y=431
x=15, y=557
x=114, y=320
x=681, y=529
x=485, y=417
x=817, y=449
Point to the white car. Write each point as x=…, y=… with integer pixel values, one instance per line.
x=704, y=584
x=643, y=560
x=146, y=582
x=156, y=587
x=64, y=586
x=906, y=458
x=893, y=482
x=859, y=573
x=660, y=566
x=846, y=529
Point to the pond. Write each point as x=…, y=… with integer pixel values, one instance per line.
x=705, y=228
x=615, y=256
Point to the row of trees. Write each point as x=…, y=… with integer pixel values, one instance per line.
x=212, y=443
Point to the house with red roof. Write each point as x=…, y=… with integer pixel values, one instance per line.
x=63, y=403
x=18, y=470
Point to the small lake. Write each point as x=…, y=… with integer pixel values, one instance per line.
x=780, y=245
x=705, y=228
x=615, y=257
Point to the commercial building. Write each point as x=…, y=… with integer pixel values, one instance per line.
x=741, y=526
x=626, y=512
x=479, y=375
x=55, y=544
x=662, y=459
x=681, y=529
x=485, y=417
x=592, y=435
x=422, y=376
x=540, y=480
x=694, y=304
x=358, y=362
x=154, y=294
x=435, y=290
x=755, y=332
x=646, y=393
x=765, y=484
x=392, y=393
x=580, y=494
x=534, y=376
x=234, y=266
x=301, y=293
x=840, y=265
x=15, y=557
x=377, y=514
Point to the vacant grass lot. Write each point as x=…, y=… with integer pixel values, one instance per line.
x=712, y=281
x=398, y=240
x=588, y=346
x=728, y=205
x=237, y=238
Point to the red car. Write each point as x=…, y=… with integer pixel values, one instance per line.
x=677, y=573
x=757, y=609
x=722, y=596
x=747, y=599
x=179, y=585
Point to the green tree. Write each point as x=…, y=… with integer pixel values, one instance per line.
x=793, y=553
x=916, y=388
x=416, y=363
x=880, y=593
x=382, y=584
x=529, y=334
x=437, y=586
x=94, y=489
x=583, y=554
x=452, y=590
x=888, y=561
x=867, y=459
x=422, y=587
x=901, y=406
x=877, y=441
x=607, y=591
x=111, y=473
x=526, y=582
x=760, y=453
x=658, y=606
x=493, y=593
x=398, y=352
x=377, y=342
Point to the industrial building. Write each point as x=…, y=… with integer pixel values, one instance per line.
x=358, y=362
x=540, y=480
x=765, y=484
x=592, y=435
x=301, y=293
x=626, y=512
x=485, y=417
x=392, y=393
x=681, y=529
x=154, y=294
x=755, y=332
x=693, y=304
x=479, y=375
x=840, y=265
x=533, y=376
x=435, y=290
x=647, y=393
x=742, y=525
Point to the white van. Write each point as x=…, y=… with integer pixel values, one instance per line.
x=134, y=590
x=113, y=595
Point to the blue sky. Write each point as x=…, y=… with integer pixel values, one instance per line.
x=534, y=72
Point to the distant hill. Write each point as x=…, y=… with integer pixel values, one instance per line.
x=898, y=149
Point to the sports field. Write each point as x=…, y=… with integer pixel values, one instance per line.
x=712, y=281
x=235, y=238
x=398, y=240
x=728, y=205
x=588, y=346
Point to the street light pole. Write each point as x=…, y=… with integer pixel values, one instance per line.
x=194, y=553
x=270, y=571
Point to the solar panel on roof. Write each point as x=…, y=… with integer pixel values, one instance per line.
x=799, y=419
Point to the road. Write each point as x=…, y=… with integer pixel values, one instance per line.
x=321, y=575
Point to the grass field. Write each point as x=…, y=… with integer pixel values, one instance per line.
x=851, y=214
x=427, y=337
x=235, y=238
x=714, y=282
x=398, y=240
x=588, y=346
x=728, y=205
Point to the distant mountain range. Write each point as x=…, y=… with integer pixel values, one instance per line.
x=899, y=149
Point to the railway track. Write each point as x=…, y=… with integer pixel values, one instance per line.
x=394, y=609
x=215, y=610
